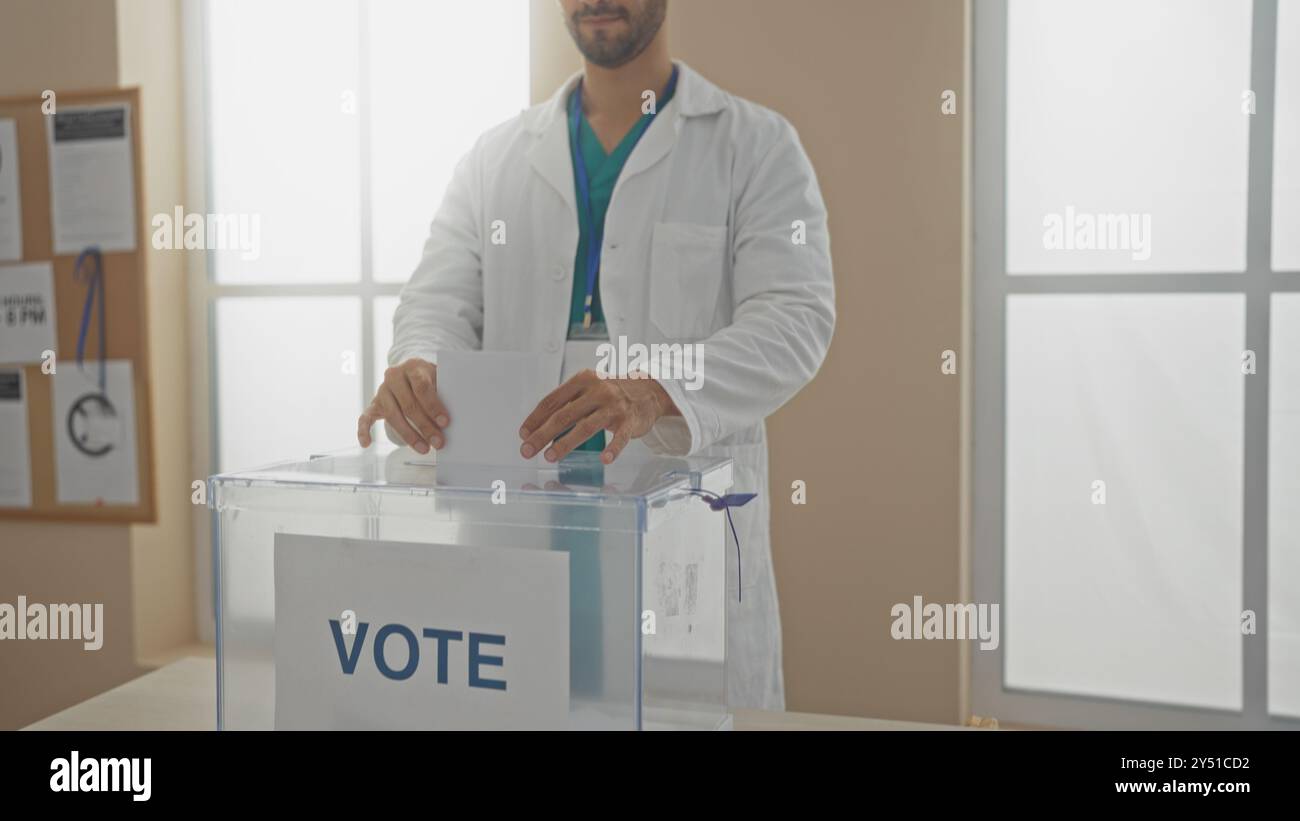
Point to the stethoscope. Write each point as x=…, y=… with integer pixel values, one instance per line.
x=92, y=418
x=594, y=242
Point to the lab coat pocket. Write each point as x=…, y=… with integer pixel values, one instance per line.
x=687, y=265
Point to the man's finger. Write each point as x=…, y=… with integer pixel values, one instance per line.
x=584, y=430
x=365, y=422
x=550, y=403
x=394, y=419
x=616, y=444
x=424, y=384
x=411, y=408
x=563, y=419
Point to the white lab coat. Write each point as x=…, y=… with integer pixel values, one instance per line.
x=700, y=246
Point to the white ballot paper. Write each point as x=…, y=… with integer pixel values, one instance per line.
x=400, y=636
x=11, y=212
x=92, y=178
x=15, y=458
x=488, y=395
x=94, y=435
x=579, y=354
x=26, y=311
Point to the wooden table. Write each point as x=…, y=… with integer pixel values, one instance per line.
x=182, y=695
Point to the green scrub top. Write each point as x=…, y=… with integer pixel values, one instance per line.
x=602, y=174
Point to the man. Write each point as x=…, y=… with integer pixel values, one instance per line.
x=640, y=201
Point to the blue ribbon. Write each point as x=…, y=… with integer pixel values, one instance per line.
x=93, y=276
x=726, y=503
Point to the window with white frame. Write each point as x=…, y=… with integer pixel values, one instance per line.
x=333, y=126
x=1137, y=387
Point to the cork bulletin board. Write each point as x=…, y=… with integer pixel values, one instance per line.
x=88, y=436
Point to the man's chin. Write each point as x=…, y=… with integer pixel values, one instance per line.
x=608, y=58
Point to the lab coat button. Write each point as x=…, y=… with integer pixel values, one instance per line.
x=558, y=273
x=552, y=347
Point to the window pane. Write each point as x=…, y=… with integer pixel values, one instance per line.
x=283, y=136
x=1131, y=589
x=1286, y=140
x=384, y=308
x=288, y=377
x=1127, y=115
x=1283, y=511
x=440, y=75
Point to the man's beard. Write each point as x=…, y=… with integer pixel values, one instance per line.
x=613, y=51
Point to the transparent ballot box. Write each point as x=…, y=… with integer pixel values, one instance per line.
x=373, y=589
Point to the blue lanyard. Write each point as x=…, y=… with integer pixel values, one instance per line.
x=93, y=275
x=597, y=237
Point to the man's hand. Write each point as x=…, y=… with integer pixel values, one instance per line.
x=408, y=403
x=589, y=404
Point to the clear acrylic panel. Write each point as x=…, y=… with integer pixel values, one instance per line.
x=288, y=377
x=440, y=75
x=1286, y=140
x=1131, y=589
x=1126, y=138
x=284, y=144
x=1283, y=511
x=632, y=536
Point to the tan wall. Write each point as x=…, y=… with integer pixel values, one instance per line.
x=61, y=45
x=876, y=436
x=149, y=41
x=142, y=574
x=56, y=44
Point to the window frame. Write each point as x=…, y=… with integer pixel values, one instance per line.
x=204, y=292
x=366, y=287
x=991, y=287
